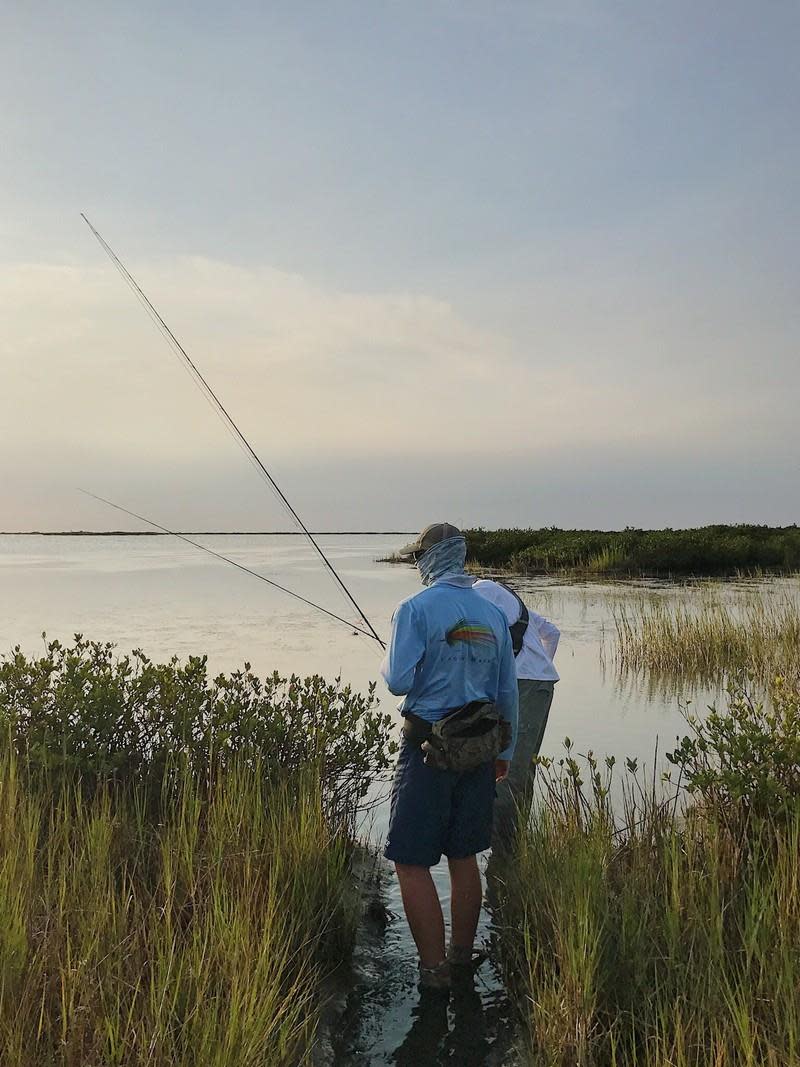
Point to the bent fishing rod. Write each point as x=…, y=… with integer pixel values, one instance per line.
x=201, y=382
x=233, y=563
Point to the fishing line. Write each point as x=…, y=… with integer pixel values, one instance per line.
x=232, y=428
x=233, y=563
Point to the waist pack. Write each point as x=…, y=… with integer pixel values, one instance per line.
x=461, y=740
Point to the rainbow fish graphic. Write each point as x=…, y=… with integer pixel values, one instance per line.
x=470, y=633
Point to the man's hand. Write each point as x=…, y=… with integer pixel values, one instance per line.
x=500, y=769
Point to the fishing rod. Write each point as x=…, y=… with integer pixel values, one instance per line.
x=227, y=420
x=227, y=559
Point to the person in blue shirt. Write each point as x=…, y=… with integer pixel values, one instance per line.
x=449, y=648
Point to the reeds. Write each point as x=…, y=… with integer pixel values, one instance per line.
x=707, y=639
x=670, y=940
x=196, y=940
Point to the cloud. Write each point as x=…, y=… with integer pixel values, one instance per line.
x=302, y=367
x=323, y=380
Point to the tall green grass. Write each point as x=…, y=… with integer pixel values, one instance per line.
x=710, y=637
x=172, y=892
x=198, y=940
x=654, y=933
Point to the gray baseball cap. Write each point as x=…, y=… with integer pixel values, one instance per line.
x=430, y=536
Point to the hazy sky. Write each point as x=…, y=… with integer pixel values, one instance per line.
x=496, y=262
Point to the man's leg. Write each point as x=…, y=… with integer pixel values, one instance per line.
x=418, y=821
x=515, y=793
x=465, y=903
x=469, y=832
x=423, y=911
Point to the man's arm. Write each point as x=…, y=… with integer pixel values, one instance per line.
x=508, y=693
x=406, y=649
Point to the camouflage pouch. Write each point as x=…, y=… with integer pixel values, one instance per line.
x=465, y=739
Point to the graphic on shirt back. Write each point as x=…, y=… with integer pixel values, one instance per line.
x=470, y=633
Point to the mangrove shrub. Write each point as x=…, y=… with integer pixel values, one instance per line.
x=745, y=759
x=81, y=709
x=707, y=550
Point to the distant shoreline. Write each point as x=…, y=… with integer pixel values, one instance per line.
x=204, y=533
x=708, y=551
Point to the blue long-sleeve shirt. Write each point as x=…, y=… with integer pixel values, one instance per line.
x=450, y=646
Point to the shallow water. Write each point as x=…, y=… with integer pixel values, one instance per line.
x=165, y=597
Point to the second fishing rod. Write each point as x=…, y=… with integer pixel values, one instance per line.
x=229, y=422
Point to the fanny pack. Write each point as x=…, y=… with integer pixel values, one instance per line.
x=461, y=740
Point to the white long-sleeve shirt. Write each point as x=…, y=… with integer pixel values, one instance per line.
x=535, y=660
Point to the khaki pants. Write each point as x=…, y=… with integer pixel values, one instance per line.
x=515, y=793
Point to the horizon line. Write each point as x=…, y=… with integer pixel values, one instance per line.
x=201, y=533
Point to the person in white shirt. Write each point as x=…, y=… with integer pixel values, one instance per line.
x=535, y=640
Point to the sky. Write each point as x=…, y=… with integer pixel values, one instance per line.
x=488, y=261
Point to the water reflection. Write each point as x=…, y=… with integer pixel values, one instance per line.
x=636, y=685
x=460, y=1028
x=471, y=1024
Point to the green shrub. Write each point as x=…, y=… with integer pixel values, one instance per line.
x=745, y=759
x=81, y=709
x=712, y=550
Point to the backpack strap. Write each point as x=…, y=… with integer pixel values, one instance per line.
x=518, y=628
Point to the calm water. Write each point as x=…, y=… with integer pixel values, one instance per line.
x=165, y=597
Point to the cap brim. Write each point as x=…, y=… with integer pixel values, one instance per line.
x=410, y=549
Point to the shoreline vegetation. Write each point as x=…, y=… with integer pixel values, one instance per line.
x=176, y=857
x=706, y=551
x=665, y=928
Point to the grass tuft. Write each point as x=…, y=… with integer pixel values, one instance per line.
x=710, y=639
x=201, y=939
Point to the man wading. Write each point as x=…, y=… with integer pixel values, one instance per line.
x=451, y=655
x=535, y=640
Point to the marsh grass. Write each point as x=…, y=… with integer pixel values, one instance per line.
x=175, y=859
x=197, y=940
x=667, y=935
x=675, y=943
x=709, y=638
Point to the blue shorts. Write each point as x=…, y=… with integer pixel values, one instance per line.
x=435, y=812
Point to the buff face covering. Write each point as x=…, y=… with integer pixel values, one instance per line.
x=448, y=557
